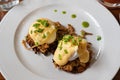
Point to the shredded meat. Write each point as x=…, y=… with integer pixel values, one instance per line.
x=73, y=66
x=71, y=30
x=84, y=34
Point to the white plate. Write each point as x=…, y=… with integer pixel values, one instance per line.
x=17, y=63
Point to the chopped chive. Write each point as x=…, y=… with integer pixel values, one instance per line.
x=59, y=57
x=65, y=51
x=36, y=43
x=44, y=36
x=79, y=39
x=55, y=10
x=85, y=24
x=74, y=42
x=70, y=37
x=31, y=32
x=99, y=38
x=64, y=12
x=39, y=30
x=73, y=16
x=45, y=23
x=67, y=38
x=39, y=20
x=60, y=46
x=36, y=25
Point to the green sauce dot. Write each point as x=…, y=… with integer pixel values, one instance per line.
x=85, y=24
x=64, y=12
x=55, y=10
x=73, y=16
x=99, y=38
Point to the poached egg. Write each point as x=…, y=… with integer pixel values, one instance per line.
x=43, y=31
x=70, y=48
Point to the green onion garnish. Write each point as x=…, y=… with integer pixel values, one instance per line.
x=45, y=23
x=44, y=36
x=70, y=37
x=60, y=46
x=36, y=25
x=39, y=30
x=31, y=32
x=59, y=57
x=74, y=42
x=38, y=20
x=36, y=43
x=67, y=38
x=79, y=39
x=65, y=51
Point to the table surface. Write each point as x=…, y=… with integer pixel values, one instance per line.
x=115, y=13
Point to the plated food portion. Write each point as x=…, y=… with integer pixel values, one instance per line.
x=71, y=51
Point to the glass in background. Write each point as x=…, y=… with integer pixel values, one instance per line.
x=110, y=3
x=6, y=5
x=113, y=6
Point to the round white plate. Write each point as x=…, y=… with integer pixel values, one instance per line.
x=18, y=63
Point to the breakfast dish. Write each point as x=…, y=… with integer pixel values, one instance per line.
x=29, y=66
x=41, y=35
x=71, y=52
